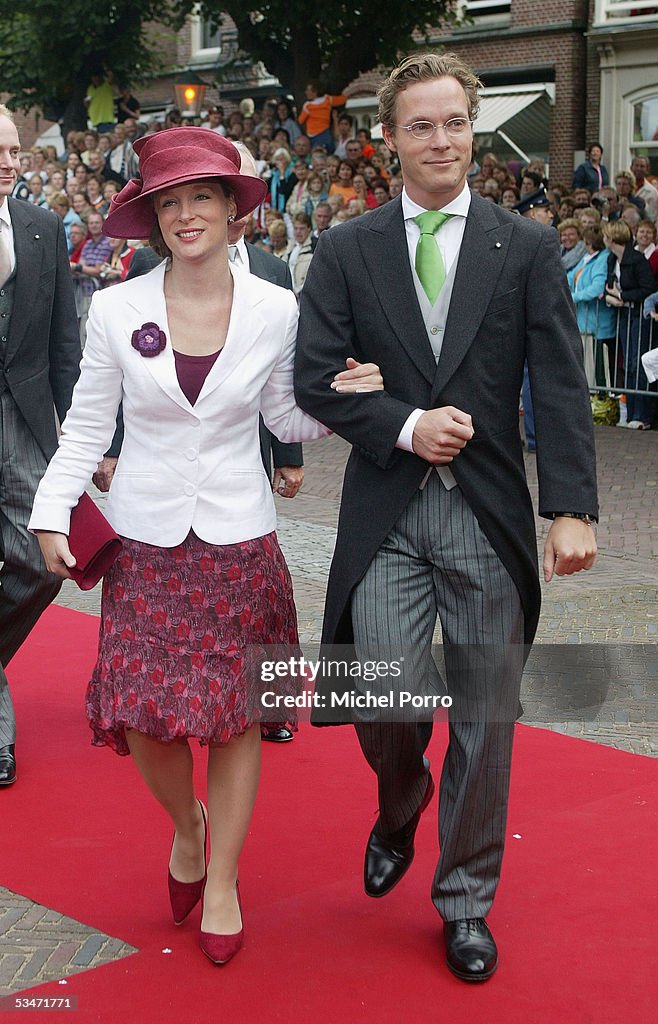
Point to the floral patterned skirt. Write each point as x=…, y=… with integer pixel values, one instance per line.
x=179, y=631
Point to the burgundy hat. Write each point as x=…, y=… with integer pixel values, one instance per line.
x=173, y=157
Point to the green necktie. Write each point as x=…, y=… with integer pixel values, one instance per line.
x=429, y=261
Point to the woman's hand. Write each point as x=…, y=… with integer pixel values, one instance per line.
x=56, y=553
x=358, y=377
x=613, y=295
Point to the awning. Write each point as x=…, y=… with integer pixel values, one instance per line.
x=521, y=117
x=497, y=110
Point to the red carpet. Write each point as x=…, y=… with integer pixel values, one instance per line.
x=574, y=919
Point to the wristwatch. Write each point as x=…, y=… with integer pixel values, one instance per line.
x=586, y=518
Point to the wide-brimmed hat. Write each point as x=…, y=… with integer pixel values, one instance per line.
x=173, y=157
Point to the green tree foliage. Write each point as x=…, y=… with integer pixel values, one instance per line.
x=49, y=48
x=332, y=40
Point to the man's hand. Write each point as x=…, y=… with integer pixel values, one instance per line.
x=570, y=546
x=288, y=480
x=358, y=377
x=440, y=434
x=102, y=478
x=56, y=552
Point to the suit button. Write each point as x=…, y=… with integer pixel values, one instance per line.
x=191, y=454
x=4, y=337
x=189, y=489
x=434, y=330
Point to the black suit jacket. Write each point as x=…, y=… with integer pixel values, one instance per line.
x=636, y=280
x=42, y=357
x=268, y=267
x=510, y=302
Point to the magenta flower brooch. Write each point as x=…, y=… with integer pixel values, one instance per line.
x=149, y=340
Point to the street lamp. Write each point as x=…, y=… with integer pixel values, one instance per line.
x=190, y=92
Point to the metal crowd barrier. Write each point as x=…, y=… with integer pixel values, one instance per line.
x=614, y=364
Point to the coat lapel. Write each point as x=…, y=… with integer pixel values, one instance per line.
x=481, y=258
x=148, y=302
x=28, y=247
x=383, y=242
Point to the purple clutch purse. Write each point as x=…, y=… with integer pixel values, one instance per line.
x=93, y=543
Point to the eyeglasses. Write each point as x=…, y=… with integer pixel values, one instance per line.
x=425, y=129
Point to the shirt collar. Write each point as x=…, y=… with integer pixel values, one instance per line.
x=242, y=256
x=4, y=213
x=458, y=207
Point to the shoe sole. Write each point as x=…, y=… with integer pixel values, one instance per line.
x=272, y=739
x=9, y=782
x=474, y=979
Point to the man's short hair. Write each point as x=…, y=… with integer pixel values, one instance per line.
x=628, y=176
x=6, y=112
x=632, y=208
x=424, y=67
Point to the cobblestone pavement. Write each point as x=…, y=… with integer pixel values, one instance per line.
x=37, y=944
x=617, y=602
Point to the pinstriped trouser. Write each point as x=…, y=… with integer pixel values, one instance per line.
x=26, y=588
x=437, y=560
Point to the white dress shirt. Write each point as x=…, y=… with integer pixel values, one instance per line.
x=8, y=235
x=237, y=252
x=448, y=240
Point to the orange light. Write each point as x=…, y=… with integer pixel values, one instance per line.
x=190, y=94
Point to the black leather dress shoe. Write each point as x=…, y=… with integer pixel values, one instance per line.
x=276, y=734
x=389, y=855
x=471, y=952
x=7, y=765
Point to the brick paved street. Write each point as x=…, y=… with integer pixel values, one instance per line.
x=616, y=602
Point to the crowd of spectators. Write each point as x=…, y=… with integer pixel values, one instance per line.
x=607, y=234
x=322, y=169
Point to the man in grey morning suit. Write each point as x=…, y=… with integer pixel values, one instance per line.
x=39, y=363
x=449, y=307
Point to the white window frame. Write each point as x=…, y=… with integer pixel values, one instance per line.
x=197, y=51
x=610, y=13
x=631, y=100
x=479, y=10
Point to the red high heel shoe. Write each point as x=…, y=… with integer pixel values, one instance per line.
x=221, y=948
x=184, y=896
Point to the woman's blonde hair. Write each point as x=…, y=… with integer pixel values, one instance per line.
x=616, y=231
x=570, y=222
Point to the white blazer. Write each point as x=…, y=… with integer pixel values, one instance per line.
x=182, y=466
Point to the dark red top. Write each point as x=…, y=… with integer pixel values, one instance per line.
x=192, y=372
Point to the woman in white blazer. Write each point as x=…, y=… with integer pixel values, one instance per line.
x=194, y=350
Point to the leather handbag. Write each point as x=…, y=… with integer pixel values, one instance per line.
x=93, y=543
